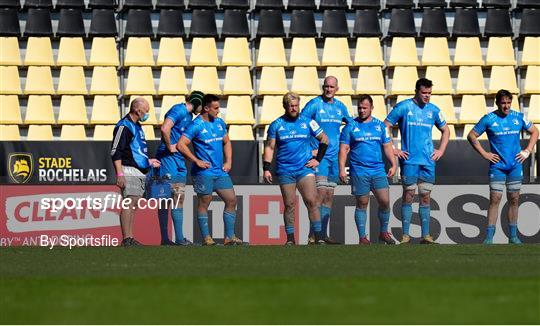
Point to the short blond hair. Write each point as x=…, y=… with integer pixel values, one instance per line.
x=288, y=97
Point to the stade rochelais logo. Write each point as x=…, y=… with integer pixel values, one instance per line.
x=20, y=167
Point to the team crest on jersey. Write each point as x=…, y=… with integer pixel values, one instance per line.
x=303, y=126
x=220, y=127
x=430, y=115
x=516, y=122
x=378, y=128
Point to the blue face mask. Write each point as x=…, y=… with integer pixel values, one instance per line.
x=145, y=117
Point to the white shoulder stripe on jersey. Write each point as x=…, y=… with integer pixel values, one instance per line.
x=117, y=139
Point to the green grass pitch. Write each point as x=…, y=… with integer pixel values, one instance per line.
x=272, y=284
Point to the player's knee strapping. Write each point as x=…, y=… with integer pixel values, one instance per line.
x=513, y=186
x=496, y=186
x=425, y=187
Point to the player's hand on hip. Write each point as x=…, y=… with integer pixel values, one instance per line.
x=121, y=182
x=401, y=154
x=226, y=167
x=437, y=154
x=172, y=148
x=523, y=155
x=202, y=164
x=493, y=158
x=155, y=163
x=343, y=177
x=267, y=176
x=313, y=163
x=391, y=171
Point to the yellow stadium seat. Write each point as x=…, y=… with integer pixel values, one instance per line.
x=273, y=81
x=379, y=107
x=271, y=52
x=9, y=51
x=241, y=132
x=39, y=81
x=39, y=52
x=103, y=132
x=304, y=99
x=304, y=52
x=167, y=103
x=9, y=133
x=436, y=52
x=37, y=132
x=403, y=97
x=172, y=81
x=238, y=81
x=467, y=130
x=404, y=80
x=344, y=79
x=205, y=79
x=531, y=51
x=149, y=133
x=473, y=107
x=403, y=52
x=446, y=104
x=139, y=52
x=272, y=108
x=239, y=110
x=370, y=81
x=11, y=84
x=140, y=81
x=502, y=77
x=500, y=52
x=104, y=81
x=532, y=80
x=39, y=110
x=442, y=82
x=72, y=81
x=71, y=52
x=151, y=112
x=10, y=111
x=470, y=80
x=436, y=133
x=368, y=52
x=347, y=101
x=468, y=52
x=73, y=133
x=171, y=52
x=305, y=81
x=104, y=52
x=72, y=110
x=336, y=52
x=203, y=52
x=105, y=110
x=236, y=52
x=533, y=111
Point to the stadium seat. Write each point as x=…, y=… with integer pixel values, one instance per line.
x=205, y=79
x=239, y=110
x=71, y=52
x=500, y=52
x=436, y=52
x=103, y=52
x=498, y=23
x=102, y=4
x=72, y=81
x=172, y=81
x=171, y=22
x=379, y=108
x=241, y=4
x=446, y=105
x=11, y=84
x=367, y=23
x=39, y=110
x=440, y=75
x=272, y=81
x=235, y=23
x=533, y=111
x=140, y=81
x=532, y=80
x=237, y=81
x=404, y=80
x=39, y=52
x=305, y=81
x=39, y=81
x=436, y=133
x=105, y=110
x=302, y=23
x=139, y=24
x=9, y=51
x=399, y=4
x=149, y=133
x=304, y=99
x=203, y=23
x=39, y=133
x=333, y=4
x=70, y=4
x=467, y=130
x=11, y=111
x=370, y=81
x=103, y=23
x=139, y=52
x=434, y=23
x=71, y=23
x=73, y=133
x=104, y=81
x=171, y=52
x=368, y=52
x=269, y=4
x=366, y=4
x=473, y=107
x=402, y=23
x=137, y=4
x=270, y=24
x=531, y=51
x=470, y=80
x=466, y=23
x=502, y=77
x=203, y=52
x=403, y=52
x=335, y=22
x=303, y=52
x=103, y=132
x=336, y=52
x=347, y=101
x=38, y=4
x=9, y=133
x=152, y=112
x=272, y=108
x=241, y=132
x=468, y=52
x=271, y=52
x=38, y=23
x=343, y=76
x=210, y=4
x=236, y=52
x=72, y=110
x=166, y=104
x=9, y=22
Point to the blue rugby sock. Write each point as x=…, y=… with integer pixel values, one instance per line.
x=163, y=217
x=360, y=217
x=406, y=215
x=203, y=224
x=490, y=232
x=325, y=218
x=228, y=221
x=289, y=229
x=177, y=215
x=316, y=226
x=424, y=212
x=513, y=230
x=384, y=218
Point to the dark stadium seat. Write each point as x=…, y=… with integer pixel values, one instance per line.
x=301, y=4
x=335, y=24
x=366, y=23
x=498, y=23
x=302, y=24
x=38, y=4
x=431, y=3
x=528, y=4
x=202, y=4
x=234, y=4
x=38, y=22
x=71, y=23
x=270, y=24
x=142, y=4
x=496, y=4
x=390, y=4
x=10, y=3
x=203, y=23
x=103, y=23
x=171, y=23
x=70, y=4
x=9, y=22
x=333, y=4
x=466, y=23
x=269, y=4
x=366, y=4
x=402, y=23
x=139, y=23
x=530, y=22
x=170, y=4
x=463, y=3
x=102, y=4
x=434, y=23
x=235, y=23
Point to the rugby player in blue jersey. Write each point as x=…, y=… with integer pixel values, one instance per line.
x=173, y=165
x=503, y=127
x=329, y=113
x=212, y=162
x=415, y=118
x=363, y=139
x=289, y=136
